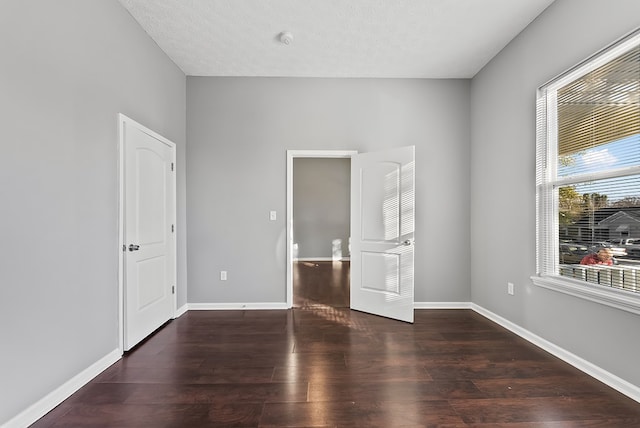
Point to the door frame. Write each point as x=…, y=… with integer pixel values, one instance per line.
x=122, y=120
x=291, y=155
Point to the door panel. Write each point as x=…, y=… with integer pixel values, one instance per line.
x=149, y=252
x=380, y=272
x=382, y=232
x=380, y=184
x=151, y=281
x=151, y=219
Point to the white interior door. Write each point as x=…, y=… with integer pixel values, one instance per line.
x=149, y=232
x=382, y=232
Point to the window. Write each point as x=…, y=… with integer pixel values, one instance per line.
x=588, y=178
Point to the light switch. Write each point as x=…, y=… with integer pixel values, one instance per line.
x=272, y=215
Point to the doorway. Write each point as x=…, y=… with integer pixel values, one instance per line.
x=318, y=219
x=382, y=229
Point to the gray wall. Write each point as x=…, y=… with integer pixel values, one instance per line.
x=239, y=130
x=503, y=184
x=67, y=69
x=321, y=206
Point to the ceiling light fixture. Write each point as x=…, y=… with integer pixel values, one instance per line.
x=286, y=37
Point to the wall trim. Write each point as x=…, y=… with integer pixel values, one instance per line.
x=630, y=390
x=442, y=305
x=64, y=391
x=610, y=296
x=181, y=311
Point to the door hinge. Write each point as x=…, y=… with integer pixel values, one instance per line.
x=171, y=166
x=173, y=289
x=124, y=247
x=172, y=229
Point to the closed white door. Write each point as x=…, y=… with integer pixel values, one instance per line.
x=149, y=232
x=382, y=233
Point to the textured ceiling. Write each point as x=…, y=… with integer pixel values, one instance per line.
x=334, y=38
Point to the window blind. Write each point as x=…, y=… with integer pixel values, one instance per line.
x=598, y=117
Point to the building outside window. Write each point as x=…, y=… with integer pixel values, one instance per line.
x=588, y=178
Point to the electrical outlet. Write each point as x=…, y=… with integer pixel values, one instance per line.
x=223, y=275
x=510, y=288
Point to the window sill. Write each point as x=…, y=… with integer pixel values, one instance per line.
x=614, y=297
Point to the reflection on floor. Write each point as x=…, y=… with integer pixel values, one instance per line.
x=338, y=368
x=321, y=283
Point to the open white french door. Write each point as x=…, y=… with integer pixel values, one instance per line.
x=147, y=231
x=382, y=232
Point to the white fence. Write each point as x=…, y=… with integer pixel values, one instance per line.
x=624, y=277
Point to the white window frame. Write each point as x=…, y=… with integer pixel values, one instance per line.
x=547, y=240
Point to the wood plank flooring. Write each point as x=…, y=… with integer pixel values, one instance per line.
x=321, y=283
x=331, y=367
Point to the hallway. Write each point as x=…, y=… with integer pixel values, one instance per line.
x=321, y=283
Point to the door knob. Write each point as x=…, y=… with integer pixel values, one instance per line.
x=408, y=242
x=133, y=247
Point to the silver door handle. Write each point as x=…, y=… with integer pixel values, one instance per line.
x=133, y=247
x=408, y=242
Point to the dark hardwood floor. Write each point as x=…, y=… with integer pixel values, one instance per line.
x=322, y=366
x=321, y=283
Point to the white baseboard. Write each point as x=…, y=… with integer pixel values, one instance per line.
x=64, y=391
x=182, y=310
x=236, y=306
x=630, y=390
x=321, y=259
x=442, y=305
